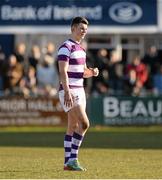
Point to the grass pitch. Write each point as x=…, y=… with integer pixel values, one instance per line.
x=108, y=153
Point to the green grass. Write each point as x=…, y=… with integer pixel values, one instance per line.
x=108, y=153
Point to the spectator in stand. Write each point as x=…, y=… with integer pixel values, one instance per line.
x=47, y=78
x=101, y=61
x=50, y=61
x=49, y=54
x=130, y=82
x=110, y=79
x=115, y=71
x=136, y=75
x=28, y=84
x=2, y=70
x=20, y=54
x=102, y=85
x=157, y=81
x=152, y=60
x=35, y=57
x=14, y=75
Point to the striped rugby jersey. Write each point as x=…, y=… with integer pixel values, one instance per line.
x=73, y=53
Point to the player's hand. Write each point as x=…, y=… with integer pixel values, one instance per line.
x=68, y=99
x=95, y=72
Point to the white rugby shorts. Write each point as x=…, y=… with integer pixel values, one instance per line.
x=79, y=98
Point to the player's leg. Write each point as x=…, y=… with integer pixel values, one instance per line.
x=69, y=132
x=82, y=119
x=78, y=123
x=80, y=115
x=72, y=124
x=71, y=127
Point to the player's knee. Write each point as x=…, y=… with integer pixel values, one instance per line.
x=85, y=125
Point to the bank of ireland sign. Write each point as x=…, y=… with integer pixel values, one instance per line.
x=125, y=12
x=59, y=12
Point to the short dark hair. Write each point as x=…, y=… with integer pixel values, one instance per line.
x=78, y=20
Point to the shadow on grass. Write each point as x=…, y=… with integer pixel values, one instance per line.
x=119, y=140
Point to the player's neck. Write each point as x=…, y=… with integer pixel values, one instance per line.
x=75, y=39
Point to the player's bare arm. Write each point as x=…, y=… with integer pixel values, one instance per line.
x=63, y=67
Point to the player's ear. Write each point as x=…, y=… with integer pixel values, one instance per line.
x=72, y=28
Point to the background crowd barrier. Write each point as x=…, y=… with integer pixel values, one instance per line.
x=103, y=110
x=33, y=111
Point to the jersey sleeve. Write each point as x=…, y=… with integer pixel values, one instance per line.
x=63, y=53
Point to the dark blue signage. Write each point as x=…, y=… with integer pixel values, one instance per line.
x=60, y=12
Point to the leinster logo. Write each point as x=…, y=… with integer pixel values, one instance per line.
x=125, y=12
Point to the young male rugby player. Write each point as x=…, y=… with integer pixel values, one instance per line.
x=72, y=70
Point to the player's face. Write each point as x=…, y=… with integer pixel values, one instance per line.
x=80, y=31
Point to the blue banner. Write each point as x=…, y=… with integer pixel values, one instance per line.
x=60, y=12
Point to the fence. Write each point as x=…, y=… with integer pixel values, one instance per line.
x=104, y=110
